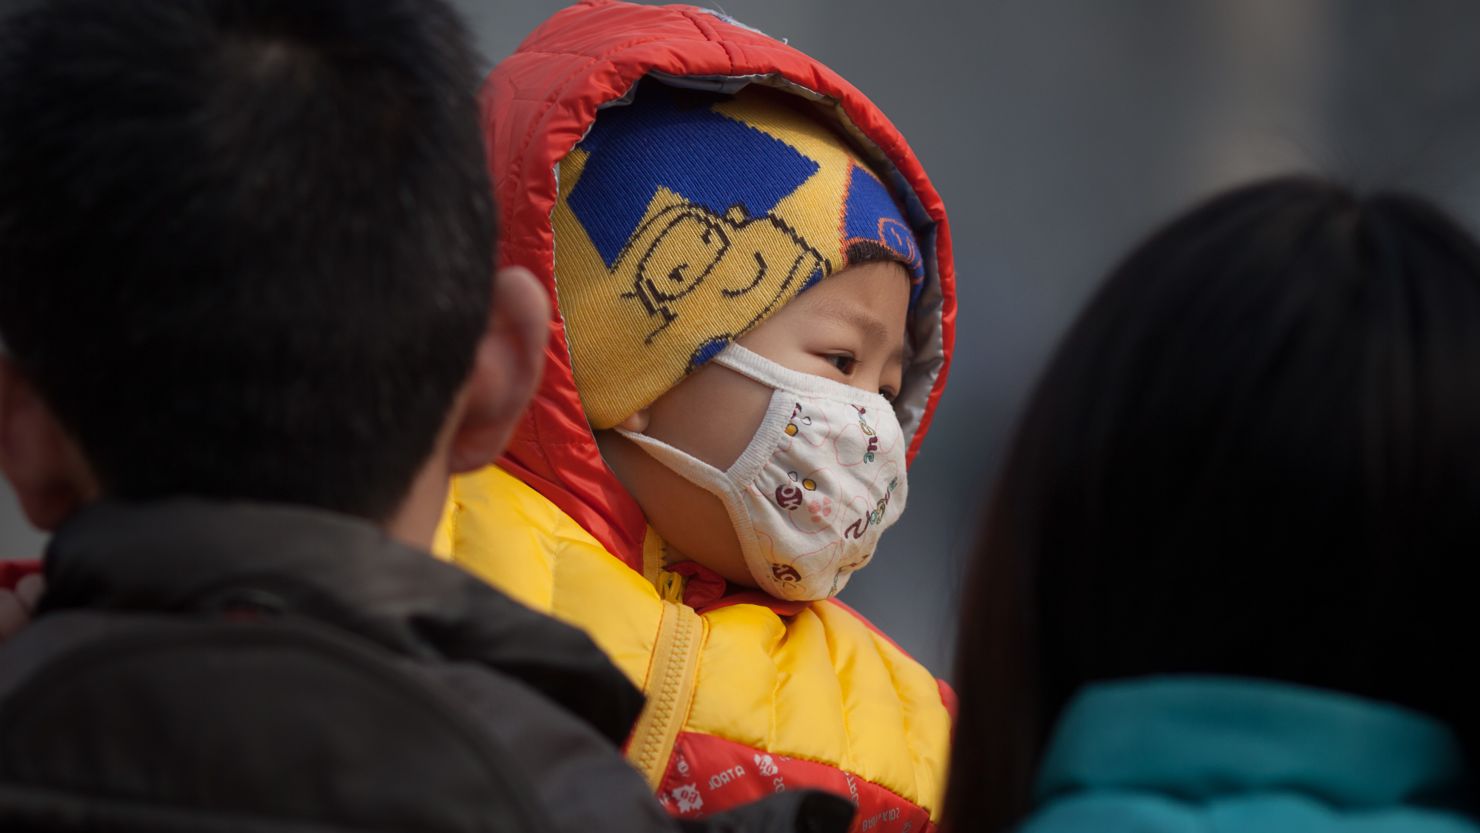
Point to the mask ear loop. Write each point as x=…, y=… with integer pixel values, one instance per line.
x=760, y=369
x=691, y=468
x=747, y=466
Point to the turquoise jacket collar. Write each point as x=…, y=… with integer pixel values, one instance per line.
x=1198, y=738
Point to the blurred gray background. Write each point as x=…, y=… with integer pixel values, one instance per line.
x=1060, y=131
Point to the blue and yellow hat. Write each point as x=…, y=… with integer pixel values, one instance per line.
x=685, y=218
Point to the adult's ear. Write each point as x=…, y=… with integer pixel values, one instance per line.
x=44, y=467
x=506, y=370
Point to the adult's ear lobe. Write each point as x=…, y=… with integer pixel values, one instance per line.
x=506, y=369
x=44, y=467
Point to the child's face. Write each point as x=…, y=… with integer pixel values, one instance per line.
x=849, y=328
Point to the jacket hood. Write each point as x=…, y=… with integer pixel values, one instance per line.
x=540, y=102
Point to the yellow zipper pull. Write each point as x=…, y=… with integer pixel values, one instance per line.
x=654, y=556
x=671, y=586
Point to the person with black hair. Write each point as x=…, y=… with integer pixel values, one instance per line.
x=250, y=330
x=1226, y=573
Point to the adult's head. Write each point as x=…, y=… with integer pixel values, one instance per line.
x=247, y=252
x=1256, y=453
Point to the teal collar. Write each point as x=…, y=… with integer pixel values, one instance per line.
x=1201, y=737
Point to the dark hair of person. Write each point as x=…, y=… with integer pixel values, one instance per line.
x=1256, y=453
x=246, y=246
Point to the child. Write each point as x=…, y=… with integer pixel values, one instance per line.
x=684, y=184
x=1227, y=578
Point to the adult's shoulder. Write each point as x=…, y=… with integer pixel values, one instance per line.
x=138, y=719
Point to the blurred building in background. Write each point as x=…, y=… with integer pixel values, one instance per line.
x=1059, y=132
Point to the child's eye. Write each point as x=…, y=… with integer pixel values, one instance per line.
x=844, y=362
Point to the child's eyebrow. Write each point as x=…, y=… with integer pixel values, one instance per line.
x=873, y=328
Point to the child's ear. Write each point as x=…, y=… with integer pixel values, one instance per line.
x=637, y=423
x=506, y=369
x=41, y=462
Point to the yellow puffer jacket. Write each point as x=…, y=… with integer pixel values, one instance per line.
x=743, y=701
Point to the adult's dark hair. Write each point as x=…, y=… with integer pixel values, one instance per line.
x=1256, y=453
x=246, y=246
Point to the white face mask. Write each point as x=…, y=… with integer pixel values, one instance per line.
x=821, y=480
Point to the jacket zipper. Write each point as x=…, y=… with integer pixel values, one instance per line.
x=670, y=682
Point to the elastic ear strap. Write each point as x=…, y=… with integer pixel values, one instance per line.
x=680, y=462
x=750, y=365
x=758, y=368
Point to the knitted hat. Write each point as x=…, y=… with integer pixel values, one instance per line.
x=686, y=218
